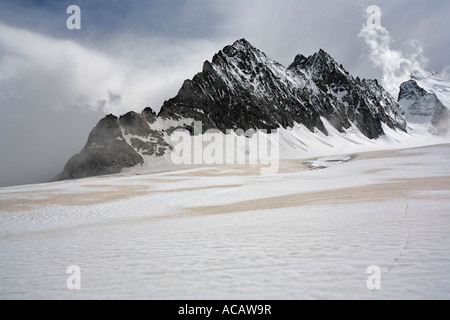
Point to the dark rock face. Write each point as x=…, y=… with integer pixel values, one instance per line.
x=241, y=88
x=343, y=100
x=135, y=124
x=157, y=148
x=418, y=102
x=149, y=115
x=410, y=90
x=106, y=131
x=106, y=152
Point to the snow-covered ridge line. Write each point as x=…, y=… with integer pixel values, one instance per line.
x=241, y=88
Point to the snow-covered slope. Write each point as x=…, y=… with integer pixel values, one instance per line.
x=226, y=232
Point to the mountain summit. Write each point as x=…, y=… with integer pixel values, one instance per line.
x=241, y=88
x=422, y=106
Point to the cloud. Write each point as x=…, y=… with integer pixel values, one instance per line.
x=53, y=92
x=63, y=74
x=395, y=65
x=55, y=73
x=283, y=29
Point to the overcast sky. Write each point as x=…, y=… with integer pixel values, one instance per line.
x=56, y=84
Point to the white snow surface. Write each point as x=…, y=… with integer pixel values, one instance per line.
x=309, y=231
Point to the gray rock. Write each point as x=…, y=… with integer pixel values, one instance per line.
x=135, y=124
x=106, y=152
x=149, y=115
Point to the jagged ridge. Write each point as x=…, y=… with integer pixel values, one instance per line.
x=241, y=88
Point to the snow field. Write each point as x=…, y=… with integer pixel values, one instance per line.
x=205, y=233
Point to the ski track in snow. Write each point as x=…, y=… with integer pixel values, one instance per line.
x=225, y=232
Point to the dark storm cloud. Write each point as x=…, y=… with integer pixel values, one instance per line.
x=55, y=83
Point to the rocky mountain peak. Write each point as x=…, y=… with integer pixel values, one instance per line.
x=107, y=130
x=299, y=61
x=422, y=106
x=410, y=90
x=135, y=124
x=321, y=66
x=149, y=115
x=240, y=54
x=242, y=44
x=241, y=88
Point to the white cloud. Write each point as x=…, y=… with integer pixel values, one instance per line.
x=53, y=92
x=54, y=73
x=395, y=65
x=57, y=74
